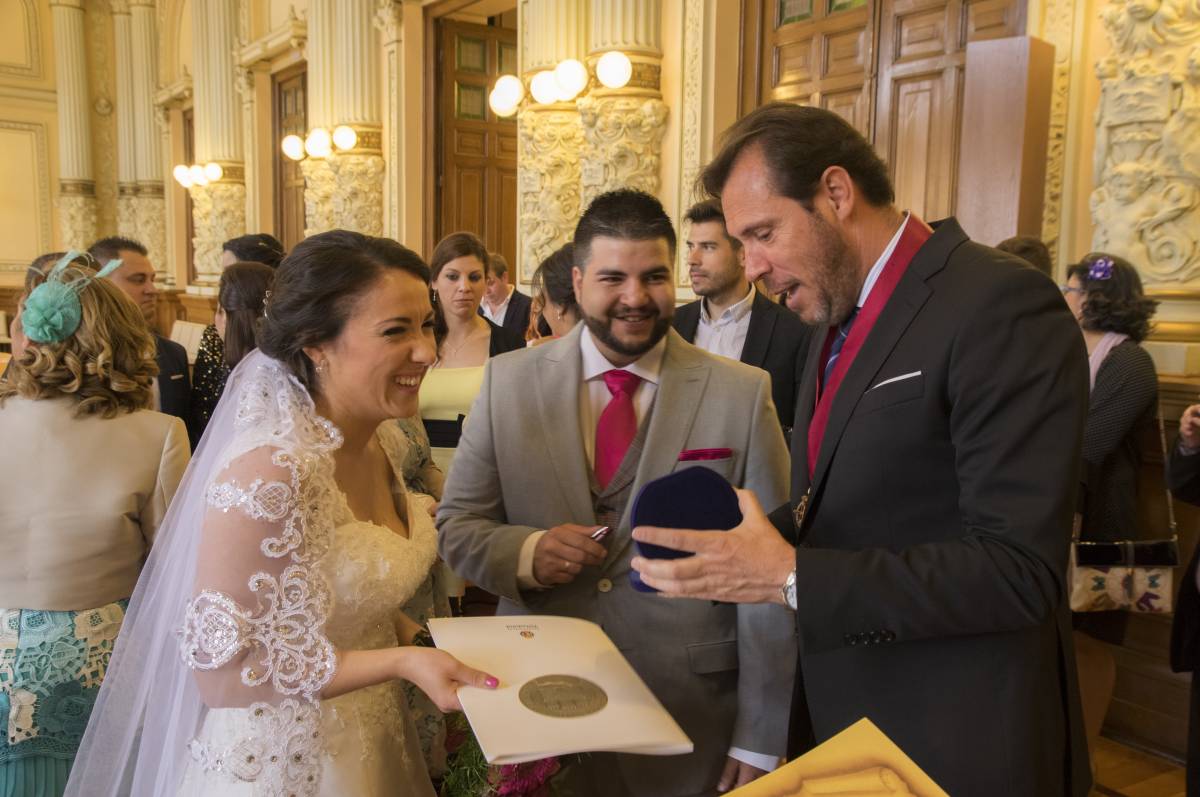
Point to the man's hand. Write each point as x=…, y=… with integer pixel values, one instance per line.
x=1189, y=427
x=562, y=553
x=737, y=774
x=747, y=564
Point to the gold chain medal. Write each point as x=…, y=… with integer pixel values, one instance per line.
x=562, y=696
x=801, y=509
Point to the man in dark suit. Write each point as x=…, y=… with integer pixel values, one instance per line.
x=503, y=304
x=733, y=319
x=1183, y=477
x=933, y=493
x=173, y=394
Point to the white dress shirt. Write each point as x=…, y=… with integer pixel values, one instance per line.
x=593, y=398
x=877, y=269
x=497, y=317
x=725, y=335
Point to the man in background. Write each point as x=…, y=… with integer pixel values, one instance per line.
x=503, y=304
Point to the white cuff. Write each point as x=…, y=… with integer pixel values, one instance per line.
x=1187, y=450
x=525, y=577
x=767, y=763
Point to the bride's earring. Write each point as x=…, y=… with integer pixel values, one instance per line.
x=321, y=368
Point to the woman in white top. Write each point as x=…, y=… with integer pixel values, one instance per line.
x=86, y=475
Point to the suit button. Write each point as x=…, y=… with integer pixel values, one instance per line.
x=889, y=636
x=852, y=639
x=875, y=637
x=604, y=585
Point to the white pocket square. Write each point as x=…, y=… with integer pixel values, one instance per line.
x=176, y=376
x=900, y=378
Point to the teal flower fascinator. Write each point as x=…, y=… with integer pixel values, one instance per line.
x=52, y=311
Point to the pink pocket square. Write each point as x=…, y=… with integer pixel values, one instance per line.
x=702, y=454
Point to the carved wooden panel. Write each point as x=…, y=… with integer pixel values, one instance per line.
x=477, y=149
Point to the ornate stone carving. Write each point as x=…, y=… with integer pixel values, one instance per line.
x=218, y=214
x=103, y=124
x=150, y=213
x=127, y=215
x=76, y=220
x=548, y=182
x=691, y=151
x=623, y=143
x=345, y=192
x=1147, y=157
x=1058, y=28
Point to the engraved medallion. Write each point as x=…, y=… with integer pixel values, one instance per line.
x=562, y=696
x=801, y=509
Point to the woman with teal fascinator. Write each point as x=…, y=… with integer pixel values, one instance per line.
x=86, y=474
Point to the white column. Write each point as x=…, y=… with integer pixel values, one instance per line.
x=77, y=187
x=125, y=104
x=623, y=128
x=345, y=190
x=319, y=54
x=219, y=208
x=550, y=137
x=390, y=21
x=149, y=202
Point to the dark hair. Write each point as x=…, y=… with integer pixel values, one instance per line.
x=799, y=143
x=316, y=288
x=36, y=273
x=256, y=247
x=710, y=210
x=1031, y=250
x=242, y=294
x=624, y=214
x=452, y=247
x=1116, y=304
x=498, y=265
x=110, y=248
x=553, y=277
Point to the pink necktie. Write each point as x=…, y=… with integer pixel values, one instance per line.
x=617, y=426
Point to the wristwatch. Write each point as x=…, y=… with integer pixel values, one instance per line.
x=788, y=591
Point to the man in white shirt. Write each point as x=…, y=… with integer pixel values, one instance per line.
x=622, y=400
x=733, y=319
x=503, y=304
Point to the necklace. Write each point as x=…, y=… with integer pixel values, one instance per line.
x=446, y=355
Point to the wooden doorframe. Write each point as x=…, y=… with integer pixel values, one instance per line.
x=431, y=146
x=276, y=176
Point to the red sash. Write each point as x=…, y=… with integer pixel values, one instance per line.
x=915, y=234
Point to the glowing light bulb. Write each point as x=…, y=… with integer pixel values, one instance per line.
x=344, y=137
x=198, y=175
x=182, y=175
x=614, y=69
x=544, y=88
x=293, y=147
x=571, y=77
x=506, y=96
x=213, y=171
x=319, y=143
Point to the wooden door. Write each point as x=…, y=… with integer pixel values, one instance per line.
x=922, y=59
x=816, y=52
x=477, y=158
x=289, y=115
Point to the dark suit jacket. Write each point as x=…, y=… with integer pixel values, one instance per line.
x=1183, y=477
x=504, y=340
x=931, y=569
x=174, y=384
x=777, y=342
x=516, y=319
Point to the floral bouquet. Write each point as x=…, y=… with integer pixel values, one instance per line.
x=468, y=773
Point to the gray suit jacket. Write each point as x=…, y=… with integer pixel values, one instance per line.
x=723, y=671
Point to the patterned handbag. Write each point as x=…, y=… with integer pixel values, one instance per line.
x=1134, y=575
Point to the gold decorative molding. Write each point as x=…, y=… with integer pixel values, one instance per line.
x=76, y=188
x=126, y=189
x=292, y=35
x=1176, y=331
x=32, y=67
x=150, y=189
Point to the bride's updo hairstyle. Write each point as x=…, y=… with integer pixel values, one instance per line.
x=317, y=289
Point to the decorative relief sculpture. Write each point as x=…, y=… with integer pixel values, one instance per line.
x=218, y=214
x=623, y=136
x=549, y=182
x=150, y=211
x=1147, y=162
x=345, y=192
x=126, y=214
x=76, y=220
x=1058, y=28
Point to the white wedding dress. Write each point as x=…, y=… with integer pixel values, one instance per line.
x=370, y=745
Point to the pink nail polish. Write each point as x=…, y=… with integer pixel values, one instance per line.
x=491, y=682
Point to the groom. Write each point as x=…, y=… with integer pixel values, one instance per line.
x=619, y=401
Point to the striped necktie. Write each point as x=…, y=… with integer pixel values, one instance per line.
x=835, y=348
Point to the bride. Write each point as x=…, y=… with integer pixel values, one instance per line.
x=263, y=647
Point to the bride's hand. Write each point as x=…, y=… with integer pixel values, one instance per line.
x=439, y=675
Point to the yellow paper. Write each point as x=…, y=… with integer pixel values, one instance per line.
x=859, y=762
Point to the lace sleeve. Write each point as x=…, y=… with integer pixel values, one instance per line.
x=254, y=630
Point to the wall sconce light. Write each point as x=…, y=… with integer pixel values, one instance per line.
x=213, y=171
x=344, y=137
x=198, y=175
x=614, y=69
x=319, y=143
x=564, y=83
x=183, y=175
x=293, y=147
